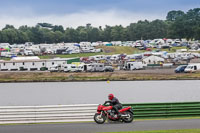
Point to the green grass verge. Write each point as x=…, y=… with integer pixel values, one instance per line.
x=108, y=50
x=165, y=131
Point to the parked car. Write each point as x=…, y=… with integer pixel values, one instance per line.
x=141, y=48
x=180, y=69
x=108, y=69
x=148, y=49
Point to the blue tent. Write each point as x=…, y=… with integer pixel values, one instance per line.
x=109, y=44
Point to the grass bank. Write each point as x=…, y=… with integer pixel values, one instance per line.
x=112, y=76
x=164, y=131
x=109, y=50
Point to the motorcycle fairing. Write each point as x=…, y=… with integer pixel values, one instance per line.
x=124, y=109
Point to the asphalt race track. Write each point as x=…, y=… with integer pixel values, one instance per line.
x=107, y=127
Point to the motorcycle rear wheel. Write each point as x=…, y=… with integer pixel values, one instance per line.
x=128, y=119
x=99, y=119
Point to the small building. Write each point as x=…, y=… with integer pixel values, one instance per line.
x=34, y=64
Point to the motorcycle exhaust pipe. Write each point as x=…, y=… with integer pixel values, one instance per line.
x=124, y=115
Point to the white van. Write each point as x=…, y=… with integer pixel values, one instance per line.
x=70, y=68
x=192, y=68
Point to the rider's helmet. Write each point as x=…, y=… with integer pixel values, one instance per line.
x=110, y=96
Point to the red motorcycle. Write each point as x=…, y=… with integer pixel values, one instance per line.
x=107, y=112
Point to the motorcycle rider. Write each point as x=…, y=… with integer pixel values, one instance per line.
x=115, y=103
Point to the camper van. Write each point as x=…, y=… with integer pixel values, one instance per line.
x=70, y=68
x=97, y=67
x=55, y=68
x=97, y=57
x=87, y=67
x=192, y=68
x=134, y=66
x=80, y=68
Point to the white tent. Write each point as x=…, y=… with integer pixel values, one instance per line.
x=25, y=58
x=153, y=60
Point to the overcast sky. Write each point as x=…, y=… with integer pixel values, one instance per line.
x=73, y=13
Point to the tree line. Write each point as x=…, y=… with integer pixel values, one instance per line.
x=178, y=24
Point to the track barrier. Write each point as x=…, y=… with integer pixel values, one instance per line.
x=85, y=112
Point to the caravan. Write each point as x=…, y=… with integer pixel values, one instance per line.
x=56, y=68
x=97, y=67
x=134, y=66
x=115, y=57
x=28, y=52
x=97, y=57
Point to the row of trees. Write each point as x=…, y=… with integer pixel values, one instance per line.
x=177, y=25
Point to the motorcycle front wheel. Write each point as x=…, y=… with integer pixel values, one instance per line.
x=99, y=119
